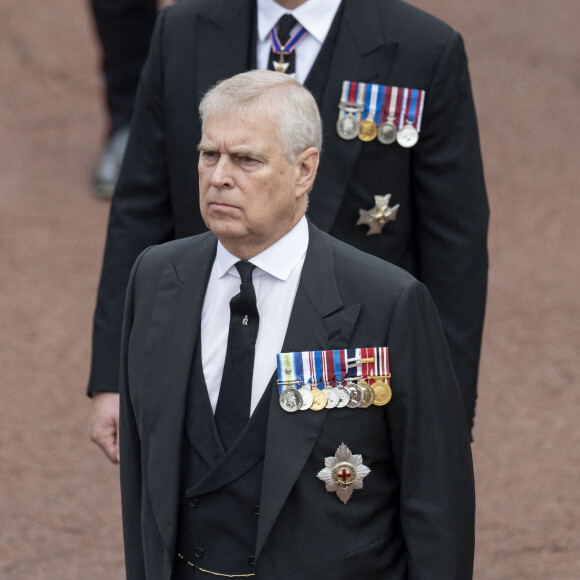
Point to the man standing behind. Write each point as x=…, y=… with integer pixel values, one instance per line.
x=380, y=63
x=229, y=468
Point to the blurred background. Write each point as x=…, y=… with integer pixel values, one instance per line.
x=60, y=514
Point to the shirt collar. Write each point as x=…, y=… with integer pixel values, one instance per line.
x=315, y=15
x=278, y=260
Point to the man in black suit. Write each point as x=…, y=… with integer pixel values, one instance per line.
x=439, y=234
x=221, y=473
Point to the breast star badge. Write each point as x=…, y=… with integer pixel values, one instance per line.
x=376, y=217
x=343, y=473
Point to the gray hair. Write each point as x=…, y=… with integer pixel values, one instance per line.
x=276, y=96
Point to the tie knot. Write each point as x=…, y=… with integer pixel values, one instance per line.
x=284, y=26
x=245, y=269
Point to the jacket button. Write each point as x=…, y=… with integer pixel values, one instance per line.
x=251, y=560
x=193, y=502
x=256, y=510
x=198, y=553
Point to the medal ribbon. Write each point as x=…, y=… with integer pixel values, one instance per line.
x=318, y=369
x=351, y=99
x=288, y=366
x=330, y=374
x=403, y=108
x=382, y=364
x=292, y=43
x=394, y=96
x=306, y=368
x=339, y=366
x=373, y=97
x=413, y=107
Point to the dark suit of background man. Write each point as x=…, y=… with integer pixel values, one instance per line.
x=440, y=230
x=238, y=493
x=124, y=29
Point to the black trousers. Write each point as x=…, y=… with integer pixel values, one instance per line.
x=124, y=28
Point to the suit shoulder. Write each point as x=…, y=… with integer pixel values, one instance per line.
x=174, y=251
x=410, y=19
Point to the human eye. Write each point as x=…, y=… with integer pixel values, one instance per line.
x=246, y=160
x=209, y=156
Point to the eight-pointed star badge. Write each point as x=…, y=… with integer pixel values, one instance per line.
x=379, y=215
x=343, y=473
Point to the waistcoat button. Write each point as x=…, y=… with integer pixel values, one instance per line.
x=193, y=502
x=198, y=553
x=251, y=560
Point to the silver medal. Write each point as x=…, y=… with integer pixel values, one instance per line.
x=290, y=400
x=348, y=127
x=387, y=133
x=344, y=397
x=307, y=398
x=332, y=397
x=356, y=396
x=408, y=136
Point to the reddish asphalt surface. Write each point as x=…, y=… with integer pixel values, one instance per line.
x=59, y=497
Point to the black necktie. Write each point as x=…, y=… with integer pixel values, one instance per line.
x=233, y=406
x=279, y=61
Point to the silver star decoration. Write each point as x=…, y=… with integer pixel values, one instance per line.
x=343, y=473
x=379, y=215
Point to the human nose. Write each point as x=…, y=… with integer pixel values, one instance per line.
x=222, y=176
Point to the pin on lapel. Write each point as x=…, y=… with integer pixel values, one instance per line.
x=343, y=473
x=245, y=320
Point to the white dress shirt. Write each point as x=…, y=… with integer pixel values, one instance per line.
x=275, y=280
x=315, y=15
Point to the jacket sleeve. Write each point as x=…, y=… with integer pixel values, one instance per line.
x=430, y=444
x=141, y=215
x=130, y=451
x=452, y=214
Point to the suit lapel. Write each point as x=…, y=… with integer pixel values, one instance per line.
x=362, y=54
x=170, y=346
x=319, y=320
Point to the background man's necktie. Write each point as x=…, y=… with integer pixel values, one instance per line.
x=279, y=60
x=234, y=400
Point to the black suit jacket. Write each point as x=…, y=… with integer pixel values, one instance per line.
x=414, y=518
x=440, y=232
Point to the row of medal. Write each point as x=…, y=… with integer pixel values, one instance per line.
x=328, y=379
x=389, y=114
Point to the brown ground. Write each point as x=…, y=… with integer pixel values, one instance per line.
x=59, y=498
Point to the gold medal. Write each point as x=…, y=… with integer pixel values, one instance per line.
x=368, y=130
x=319, y=400
x=368, y=394
x=383, y=393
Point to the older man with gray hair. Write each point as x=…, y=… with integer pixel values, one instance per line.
x=288, y=405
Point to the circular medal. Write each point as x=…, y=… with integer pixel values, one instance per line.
x=290, y=400
x=356, y=397
x=332, y=397
x=344, y=395
x=367, y=131
x=319, y=400
x=368, y=394
x=407, y=136
x=307, y=399
x=347, y=127
x=383, y=393
x=387, y=133
x=344, y=474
